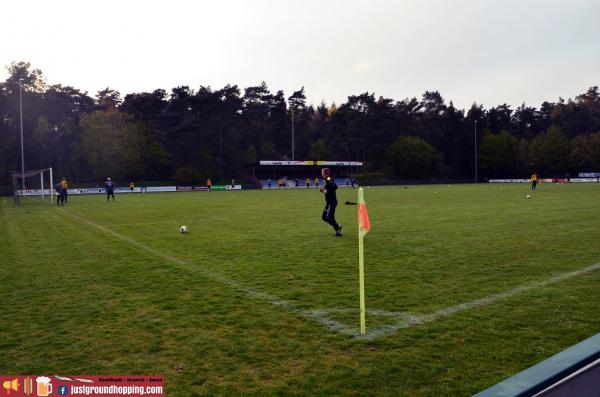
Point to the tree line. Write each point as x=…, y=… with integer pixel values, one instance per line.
x=189, y=134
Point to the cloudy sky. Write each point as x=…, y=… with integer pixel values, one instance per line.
x=488, y=51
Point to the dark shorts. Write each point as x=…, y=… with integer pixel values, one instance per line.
x=329, y=214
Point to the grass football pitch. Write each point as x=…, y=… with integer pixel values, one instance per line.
x=465, y=286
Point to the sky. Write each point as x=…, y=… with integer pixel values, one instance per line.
x=485, y=51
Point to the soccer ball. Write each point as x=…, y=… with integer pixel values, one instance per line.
x=183, y=229
x=528, y=196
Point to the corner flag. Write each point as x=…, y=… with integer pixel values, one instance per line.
x=363, y=217
x=363, y=228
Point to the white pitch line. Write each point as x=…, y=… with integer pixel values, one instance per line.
x=316, y=315
x=321, y=316
x=413, y=319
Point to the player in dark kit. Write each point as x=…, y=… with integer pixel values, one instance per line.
x=109, y=186
x=330, y=201
x=58, y=193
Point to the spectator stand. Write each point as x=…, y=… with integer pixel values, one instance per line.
x=290, y=171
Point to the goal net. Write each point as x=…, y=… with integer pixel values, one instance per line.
x=33, y=187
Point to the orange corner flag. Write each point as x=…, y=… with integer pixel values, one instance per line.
x=363, y=228
x=363, y=217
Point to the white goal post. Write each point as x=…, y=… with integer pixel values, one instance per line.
x=34, y=185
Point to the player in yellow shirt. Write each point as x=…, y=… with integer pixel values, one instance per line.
x=208, y=184
x=64, y=186
x=534, y=180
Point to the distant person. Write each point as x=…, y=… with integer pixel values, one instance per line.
x=330, y=201
x=352, y=182
x=233, y=184
x=109, y=186
x=208, y=184
x=131, y=186
x=347, y=182
x=308, y=183
x=317, y=182
x=534, y=181
x=64, y=186
x=269, y=183
x=58, y=190
x=297, y=182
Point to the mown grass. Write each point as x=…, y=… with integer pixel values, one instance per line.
x=77, y=299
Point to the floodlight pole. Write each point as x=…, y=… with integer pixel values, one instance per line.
x=292, y=108
x=22, y=151
x=51, y=187
x=475, y=151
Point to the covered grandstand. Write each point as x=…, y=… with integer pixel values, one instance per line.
x=294, y=173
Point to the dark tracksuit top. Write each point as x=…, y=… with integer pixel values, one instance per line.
x=109, y=186
x=330, y=203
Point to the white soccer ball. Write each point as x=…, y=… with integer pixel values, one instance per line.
x=183, y=229
x=528, y=196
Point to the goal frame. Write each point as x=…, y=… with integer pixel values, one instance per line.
x=20, y=189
